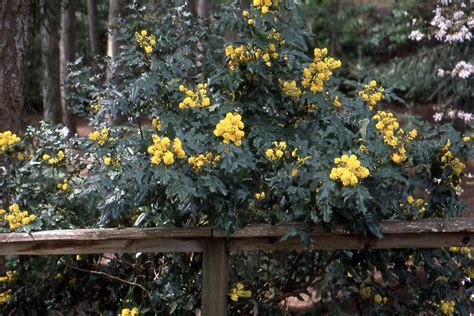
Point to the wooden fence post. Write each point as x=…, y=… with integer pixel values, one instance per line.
x=215, y=277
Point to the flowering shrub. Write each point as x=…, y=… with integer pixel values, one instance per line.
x=278, y=143
x=451, y=27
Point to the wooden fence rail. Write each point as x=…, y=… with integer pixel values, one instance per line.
x=216, y=244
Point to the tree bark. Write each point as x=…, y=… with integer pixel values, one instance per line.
x=203, y=8
x=13, y=27
x=50, y=58
x=93, y=30
x=68, y=51
x=116, y=9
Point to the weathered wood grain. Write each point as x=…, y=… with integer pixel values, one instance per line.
x=352, y=241
x=428, y=233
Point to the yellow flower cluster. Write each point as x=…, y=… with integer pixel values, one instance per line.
x=238, y=56
x=5, y=296
x=108, y=160
x=348, y=170
x=260, y=196
x=95, y=107
x=290, y=88
x=242, y=54
x=463, y=250
x=371, y=94
x=239, y=291
x=456, y=165
x=393, y=135
x=299, y=160
x=231, y=129
x=55, y=159
x=447, y=307
x=262, y=5
x=147, y=42
x=195, y=99
x=206, y=158
x=156, y=123
x=163, y=151
x=246, y=14
x=130, y=312
x=319, y=71
x=16, y=218
x=7, y=139
x=276, y=152
x=417, y=202
x=99, y=137
x=378, y=299
x=63, y=186
x=365, y=292
x=9, y=275
x=336, y=102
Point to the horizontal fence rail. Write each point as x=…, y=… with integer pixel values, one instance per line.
x=216, y=244
x=426, y=233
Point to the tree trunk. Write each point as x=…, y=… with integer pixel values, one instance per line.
x=13, y=27
x=50, y=59
x=116, y=9
x=68, y=50
x=93, y=30
x=203, y=8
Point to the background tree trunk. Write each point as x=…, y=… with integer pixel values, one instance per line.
x=116, y=9
x=50, y=59
x=93, y=31
x=203, y=8
x=13, y=27
x=68, y=50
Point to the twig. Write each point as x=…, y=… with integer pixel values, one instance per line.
x=310, y=282
x=107, y=275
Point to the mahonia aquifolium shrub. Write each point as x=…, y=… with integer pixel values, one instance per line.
x=226, y=134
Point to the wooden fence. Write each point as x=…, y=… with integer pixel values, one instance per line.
x=216, y=244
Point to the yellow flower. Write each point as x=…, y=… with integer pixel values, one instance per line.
x=447, y=307
x=129, y=312
x=5, y=296
x=290, y=88
x=63, y=186
x=9, y=275
x=336, y=102
x=195, y=99
x=294, y=172
x=412, y=134
x=146, y=42
x=260, y=196
x=365, y=292
x=466, y=139
x=17, y=218
x=231, y=129
x=99, y=137
x=162, y=150
x=238, y=292
x=156, y=123
x=371, y=94
x=277, y=151
x=168, y=158
x=378, y=299
x=8, y=139
x=206, y=158
x=319, y=71
x=348, y=170
x=410, y=199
